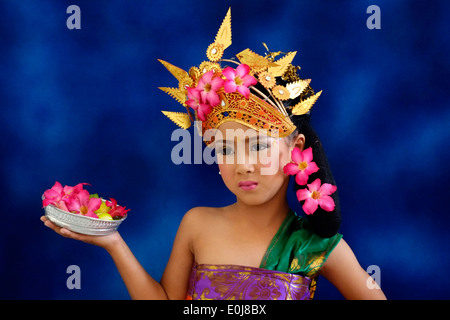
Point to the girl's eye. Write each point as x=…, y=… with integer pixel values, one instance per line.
x=259, y=146
x=226, y=151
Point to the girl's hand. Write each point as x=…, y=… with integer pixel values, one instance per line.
x=105, y=242
x=139, y=283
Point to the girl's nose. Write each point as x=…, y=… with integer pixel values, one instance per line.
x=245, y=168
x=245, y=164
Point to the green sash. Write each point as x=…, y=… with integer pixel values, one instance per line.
x=295, y=249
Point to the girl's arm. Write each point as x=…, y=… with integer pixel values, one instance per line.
x=139, y=283
x=175, y=279
x=342, y=269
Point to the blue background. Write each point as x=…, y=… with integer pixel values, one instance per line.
x=83, y=106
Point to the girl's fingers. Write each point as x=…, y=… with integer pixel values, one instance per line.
x=48, y=223
x=62, y=231
x=101, y=241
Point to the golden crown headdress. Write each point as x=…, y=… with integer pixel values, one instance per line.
x=252, y=94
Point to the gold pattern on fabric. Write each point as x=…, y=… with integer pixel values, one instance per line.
x=229, y=282
x=313, y=264
x=312, y=288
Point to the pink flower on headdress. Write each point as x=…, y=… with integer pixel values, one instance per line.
x=303, y=165
x=81, y=203
x=317, y=195
x=208, y=86
x=239, y=80
x=195, y=103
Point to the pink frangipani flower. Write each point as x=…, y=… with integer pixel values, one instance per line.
x=78, y=201
x=116, y=211
x=317, y=195
x=238, y=80
x=54, y=196
x=208, y=86
x=81, y=203
x=68, y=190
x=195, y=103
x=58, y=195
x=302, y=167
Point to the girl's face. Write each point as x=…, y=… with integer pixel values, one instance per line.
x=251, y=163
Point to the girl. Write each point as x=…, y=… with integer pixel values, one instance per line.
x=256, y=117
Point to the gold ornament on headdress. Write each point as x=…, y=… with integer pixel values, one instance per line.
x=263, y=109
x=222, y=40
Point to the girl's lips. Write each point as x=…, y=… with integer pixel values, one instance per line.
x=248, y=185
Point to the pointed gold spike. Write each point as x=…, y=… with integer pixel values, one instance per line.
x=176, y=93
x=179, y=118
x=304, y=106
x=180, y=74
x=282, y=64
x=224, y=34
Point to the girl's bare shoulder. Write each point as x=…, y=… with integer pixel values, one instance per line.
x=200, y=217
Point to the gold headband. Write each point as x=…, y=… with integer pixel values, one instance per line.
x=206, y=91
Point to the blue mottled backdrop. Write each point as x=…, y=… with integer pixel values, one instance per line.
x=83, y=106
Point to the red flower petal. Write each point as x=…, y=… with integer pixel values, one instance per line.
x=94, y=204
x=303, y=194
x=296, y=155
x=206, y=78
x=249, y=80
x=217, y=83
x=291, y=169
x=301, y=178
x=230, y=86
x=311, y=168
x=242, y=70
x=326, y=203
x=326, y=189
x=229, y=73
x=307, y=155
x=244, y=91
x=57, y=187
x=310, y=206
x=213, y=98
x=315, y=185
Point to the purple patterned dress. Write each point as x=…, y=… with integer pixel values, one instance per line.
x=288, y=270
x=229, y=282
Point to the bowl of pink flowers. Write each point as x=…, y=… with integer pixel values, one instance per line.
x=76, y=209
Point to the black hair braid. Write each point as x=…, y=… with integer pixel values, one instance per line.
x=323, y=223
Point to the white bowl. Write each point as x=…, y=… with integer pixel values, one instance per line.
x=81, y=224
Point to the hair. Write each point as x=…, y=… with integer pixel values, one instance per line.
x=323, y=223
